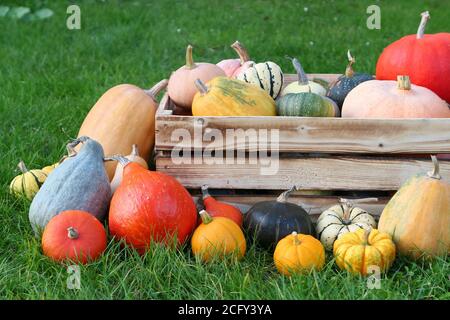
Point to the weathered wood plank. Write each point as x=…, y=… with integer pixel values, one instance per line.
x=314, y=205
x=297, y=134
x=321, y=173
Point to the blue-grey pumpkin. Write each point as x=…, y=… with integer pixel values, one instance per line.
x=347, y=82
x=78, y=183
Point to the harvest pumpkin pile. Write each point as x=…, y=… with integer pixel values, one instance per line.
x=104, y=179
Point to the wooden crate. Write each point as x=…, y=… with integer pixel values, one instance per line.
x=314, y=153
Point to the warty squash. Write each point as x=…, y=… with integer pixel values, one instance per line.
x=181, y=87
x=123, y=116
x=79, y=183
x=223, y=96
x=360, y=251
x=217, y=237
x=418, y=216
x=28, y=182
x=302, y=84
x=231, y=67
x=298, y=253
x=393, y=99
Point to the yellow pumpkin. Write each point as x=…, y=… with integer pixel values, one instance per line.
x=223, y=96
x=418, y=216
x=123, y=116
x=217, y=237
x=133, y=157
x=298, y=253
x=28, y=183
x=360, y=251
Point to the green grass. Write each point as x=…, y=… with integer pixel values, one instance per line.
x=51, y=76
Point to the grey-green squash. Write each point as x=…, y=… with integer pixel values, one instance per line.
x=306, y=104
x=79, y=183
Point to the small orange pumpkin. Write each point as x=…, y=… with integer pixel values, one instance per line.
x=74, y=235
x=298, y=253
x=181, y=87
x=217, y=237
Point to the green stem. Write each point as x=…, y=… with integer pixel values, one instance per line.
x=349, y=70
x=206, y=218
x=189, y=60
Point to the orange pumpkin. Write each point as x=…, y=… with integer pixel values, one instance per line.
x=217, y=237
x=391, y=99
x=181, y=87
x=123, y=116
x=74, y=235
x=299, y=253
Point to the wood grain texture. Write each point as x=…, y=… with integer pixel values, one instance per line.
x=321, y=173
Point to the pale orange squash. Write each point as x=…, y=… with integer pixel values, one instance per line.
x=393, y=99
x=124, y=115
x=418, y=216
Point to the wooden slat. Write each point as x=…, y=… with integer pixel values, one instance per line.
x=314, y=205
x=321, y=135
x=322, y=173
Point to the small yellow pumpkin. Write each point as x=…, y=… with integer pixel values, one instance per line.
x=363, y=250
x=223, y=96
x=418, y=216
x=298, y=253
x=217, y=237
x=133, y=157
x=28, y=183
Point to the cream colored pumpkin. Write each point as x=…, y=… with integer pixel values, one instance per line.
x=266, y=75
x=393, y=99
x=303, y=84
x=341, y=219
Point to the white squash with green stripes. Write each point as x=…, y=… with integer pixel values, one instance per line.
x=266, y=75
x=341, y=219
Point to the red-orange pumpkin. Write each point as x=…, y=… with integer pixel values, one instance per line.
x=220, y=209
x=75, y=236
x=425, y=58
x=150, y=206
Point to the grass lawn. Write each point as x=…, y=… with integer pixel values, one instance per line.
x=50, y=76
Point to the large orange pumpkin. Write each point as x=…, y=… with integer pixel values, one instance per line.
x=418, y=216
x=393, y=99
x=150, y=206
x=123, y=116
x=74, y=235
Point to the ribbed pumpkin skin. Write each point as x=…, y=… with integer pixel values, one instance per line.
x=28, y=183
x=382, y=99
x=229, y=97
x=353, y=254
x=123, y=116
x=265, y=75
x=79, y=183
x=150, y=206
x=343, y=85
x=89, y=245
x=306, y=104
x=218, y=238
x=270, y=221
x=418, y=217
x=303, y=256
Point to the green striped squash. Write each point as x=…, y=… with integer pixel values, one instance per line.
x=306, y=104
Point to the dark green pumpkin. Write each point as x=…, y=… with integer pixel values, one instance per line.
x=268, y=222
x=306, y=104
x=345, y=83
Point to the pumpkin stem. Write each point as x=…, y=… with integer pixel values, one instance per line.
x=71, y=145
x=121, y=159
x=349, y=70
x=296, y=239
x=22, y=167
x=72, y=233
x=206, y=218
x=189, y=60
x=423, y=22
x=156, y=89
x=285, y=195
x=241, y=51
x=205, y=192
x=134, y=150
x=403, y=83
x=201, y=86
x=435, y=173
x=350, y=203
x=302, y=77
